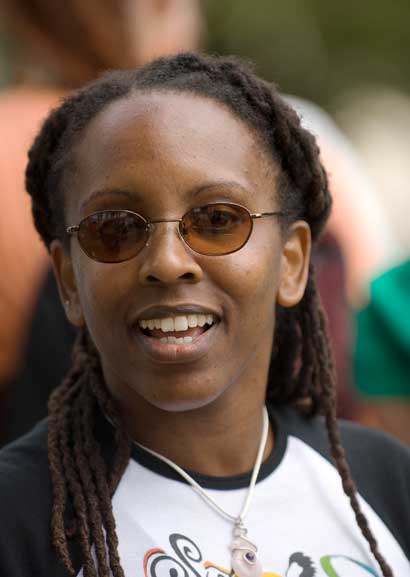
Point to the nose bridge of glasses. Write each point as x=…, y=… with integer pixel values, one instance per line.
x=164, y=220
x=152, y=224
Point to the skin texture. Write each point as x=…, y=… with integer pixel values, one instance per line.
x=159, y=147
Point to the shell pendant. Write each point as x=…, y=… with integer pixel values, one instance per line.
x=244, y=561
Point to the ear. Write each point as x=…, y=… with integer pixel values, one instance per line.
x=295, y=264
x=66, y=282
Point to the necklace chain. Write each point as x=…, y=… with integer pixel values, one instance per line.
x=258, y=462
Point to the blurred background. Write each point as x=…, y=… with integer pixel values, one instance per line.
x=343, y=66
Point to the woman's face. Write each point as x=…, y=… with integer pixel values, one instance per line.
x=161, y=154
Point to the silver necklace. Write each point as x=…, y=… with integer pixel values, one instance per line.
x=244, y=560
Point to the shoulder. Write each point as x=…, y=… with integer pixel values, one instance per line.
x=375, y=458
x=379, y=464
x=25, y=508
x=365, y=447
x=380, y=467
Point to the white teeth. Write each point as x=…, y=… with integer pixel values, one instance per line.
x=181, y=323
x=167, y=325
x=178, y=323
x=192, y=321
x=201, y=320
x=175, y=341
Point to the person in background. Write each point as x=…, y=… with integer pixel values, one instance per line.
x=375, y=315
x=56, y=50
x=382, y=352
x=357, y=220
x=379, y=122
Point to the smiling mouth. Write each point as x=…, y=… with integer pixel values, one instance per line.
x=179, y=330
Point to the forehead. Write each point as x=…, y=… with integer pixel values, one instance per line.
x=168, y=141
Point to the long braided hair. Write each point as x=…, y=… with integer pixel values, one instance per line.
x=301, y=370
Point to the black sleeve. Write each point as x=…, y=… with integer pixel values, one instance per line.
x=25, y=510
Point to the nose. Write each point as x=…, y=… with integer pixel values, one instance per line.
x=167, y=259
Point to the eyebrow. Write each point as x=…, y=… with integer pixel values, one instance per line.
x=196, y=191
x=232, y=186
x=109, y=192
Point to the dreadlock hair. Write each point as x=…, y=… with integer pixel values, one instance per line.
x=301, y=369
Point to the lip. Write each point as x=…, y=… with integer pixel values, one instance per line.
x=164, y=353
x=164, y=311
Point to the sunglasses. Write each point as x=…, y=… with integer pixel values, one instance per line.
x=214, y=229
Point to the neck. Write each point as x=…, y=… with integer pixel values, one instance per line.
x=209, y=440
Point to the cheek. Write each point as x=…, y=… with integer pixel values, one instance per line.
x=102, y=289
x=250, y=278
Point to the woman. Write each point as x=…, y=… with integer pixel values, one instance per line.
x=178, y=203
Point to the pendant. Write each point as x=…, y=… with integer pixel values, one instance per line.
x=244, y=561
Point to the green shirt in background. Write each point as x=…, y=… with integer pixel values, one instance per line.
x=382, y=350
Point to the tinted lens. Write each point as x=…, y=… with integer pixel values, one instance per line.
x=112, y=235
x=216, y=229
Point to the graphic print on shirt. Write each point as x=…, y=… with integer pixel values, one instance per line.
x=300, y=565
x=185, y=559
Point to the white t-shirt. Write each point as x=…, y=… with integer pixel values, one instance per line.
x=299, y=518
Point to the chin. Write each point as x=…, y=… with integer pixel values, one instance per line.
x=185, y=401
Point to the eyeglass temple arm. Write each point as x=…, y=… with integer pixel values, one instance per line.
x=72, y=229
